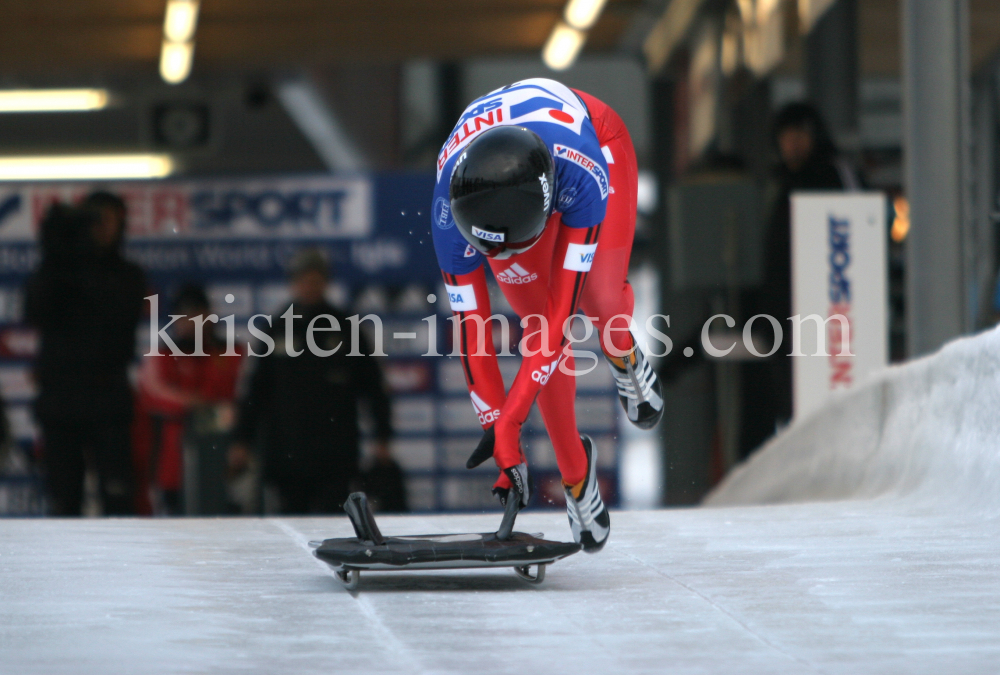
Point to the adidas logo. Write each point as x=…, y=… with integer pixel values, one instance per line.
x=542, y=376
x=486, y=415
x=516, y=479
x=515, y=274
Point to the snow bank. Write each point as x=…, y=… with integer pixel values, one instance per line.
x=927, y=431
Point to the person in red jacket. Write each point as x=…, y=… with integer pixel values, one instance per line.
x=540, y=181
x=170, y=387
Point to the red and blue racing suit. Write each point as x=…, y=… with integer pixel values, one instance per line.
x=580, y=262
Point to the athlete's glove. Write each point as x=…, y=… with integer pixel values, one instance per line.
x=519, y=485
x=502, y=441
x=483, y=451
x=513, y=498
x=514, y=478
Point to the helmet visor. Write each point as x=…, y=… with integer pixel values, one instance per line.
x=497, y=220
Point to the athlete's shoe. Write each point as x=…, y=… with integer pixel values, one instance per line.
x=638, y=388
x=588, y=517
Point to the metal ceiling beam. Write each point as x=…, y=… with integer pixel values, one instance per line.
x=668, y=33
x=306, y=106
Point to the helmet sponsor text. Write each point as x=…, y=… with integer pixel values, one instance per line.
x=487, y=235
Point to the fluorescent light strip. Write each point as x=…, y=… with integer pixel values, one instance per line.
x=582, y=14
x=85, y=167
x=177, y=53
x=568, y=36
x=175, y=61
x=52, y=100
x=563, y=46
x=180, y=20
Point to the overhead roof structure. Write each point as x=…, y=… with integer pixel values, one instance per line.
x=878, y=33
x=67, y=38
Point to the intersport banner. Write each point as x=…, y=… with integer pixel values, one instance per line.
x=371, y=226
x=839, y=293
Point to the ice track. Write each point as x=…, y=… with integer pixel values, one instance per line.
x=925, y=434
x=897, y=572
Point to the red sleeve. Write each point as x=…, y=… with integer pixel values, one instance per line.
x=160, y=394
x=470, y=302
x=220, y=377
x=545, y=341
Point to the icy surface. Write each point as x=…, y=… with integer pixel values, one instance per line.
x=898, y=573
x=810, y=588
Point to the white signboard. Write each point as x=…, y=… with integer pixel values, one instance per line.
x=839, y=282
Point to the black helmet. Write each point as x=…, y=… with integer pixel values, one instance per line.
x=501, y=190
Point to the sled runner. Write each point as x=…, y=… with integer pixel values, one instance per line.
x=372, y=551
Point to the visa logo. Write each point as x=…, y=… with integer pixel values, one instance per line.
x=579, y=257
x=487, y=235
x=462, y=298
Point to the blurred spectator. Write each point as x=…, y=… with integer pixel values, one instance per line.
x=808, y=160
x=383, y=482
x=171, y=388
x=302, y=411
x=6, y=439
x=85, y=300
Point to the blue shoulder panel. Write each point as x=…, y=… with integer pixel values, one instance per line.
x=454, y=254
x=560, y=118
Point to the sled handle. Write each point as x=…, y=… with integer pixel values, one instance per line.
x=360, y=512
x=509, y=515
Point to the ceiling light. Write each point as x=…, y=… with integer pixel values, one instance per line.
x=765, y=8
x=746, y=11
x=581, y=14
x=180, y=20
x=563, y=46
x=85, y=167
x=52, y=100
x=179, y=24
x=175, y=61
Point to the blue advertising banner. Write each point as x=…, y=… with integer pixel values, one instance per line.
x=236, y=237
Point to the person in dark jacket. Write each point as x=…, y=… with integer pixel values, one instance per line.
x=85, y=300
x=808, y=162
x=301, y=406
x=384, y=482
